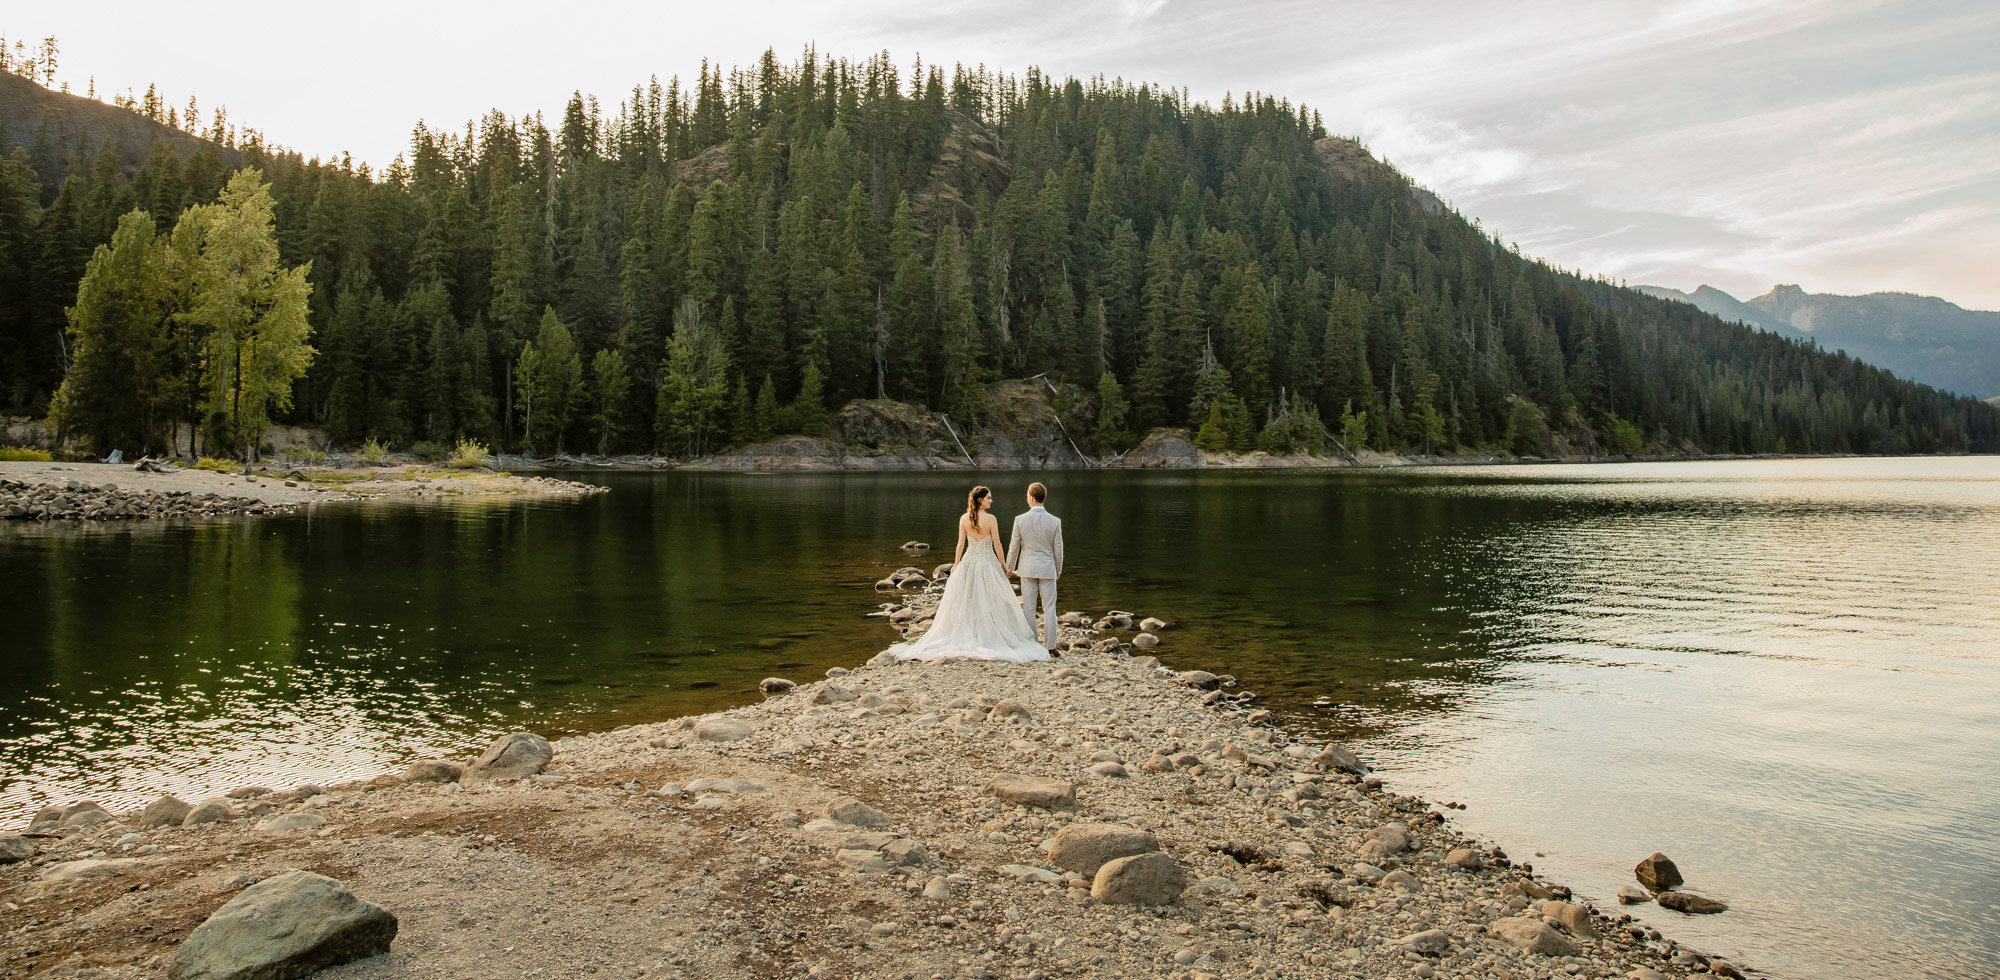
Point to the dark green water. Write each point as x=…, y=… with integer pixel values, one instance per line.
x=1786, y=674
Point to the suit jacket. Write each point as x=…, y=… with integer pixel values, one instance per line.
x=1035, y=548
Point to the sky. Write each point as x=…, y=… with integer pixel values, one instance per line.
x=1848, y=146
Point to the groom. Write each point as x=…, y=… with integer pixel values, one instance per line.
x=1035, y=553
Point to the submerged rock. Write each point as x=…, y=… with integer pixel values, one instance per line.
x=289, y=925
x=1690, y=903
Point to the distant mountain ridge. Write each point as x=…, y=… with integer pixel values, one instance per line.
x=1922, y=338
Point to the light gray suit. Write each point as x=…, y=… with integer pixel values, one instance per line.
x=1035, y=552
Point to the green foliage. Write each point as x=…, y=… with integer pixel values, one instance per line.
x=1353, y=427
x=430, y=452
x=1295, y=427
x=469, y=454
x=373, y=453
x=23, y=454
x=1523, y=435
x=1624, y=438
x=218, y=465
x=810, y=407
x=1112, y=410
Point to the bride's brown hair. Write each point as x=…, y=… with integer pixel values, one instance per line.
x=972, y=503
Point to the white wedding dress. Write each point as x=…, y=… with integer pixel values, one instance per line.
x=979, y=618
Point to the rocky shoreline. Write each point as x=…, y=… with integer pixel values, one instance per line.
x=152, y=491
x=1096, y=815
x=77, y=501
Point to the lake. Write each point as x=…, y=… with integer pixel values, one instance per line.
x=1784, y=673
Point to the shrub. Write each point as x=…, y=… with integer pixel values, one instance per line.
x=22, y=454
x=217, y=465
x=469, y=454
x=430, y=452
x=372, y=453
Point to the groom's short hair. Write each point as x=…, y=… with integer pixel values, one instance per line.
x=1039, y=492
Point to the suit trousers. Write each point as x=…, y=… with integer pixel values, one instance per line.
x=1045, y=590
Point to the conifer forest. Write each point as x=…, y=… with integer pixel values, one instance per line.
x=709, y=265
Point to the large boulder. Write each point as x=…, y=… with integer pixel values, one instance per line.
x=1037, y=791
x=1086, y=847
x=1385, y=841
x=1533, y=935
x=211, y=811
x=167, y=811
x=15, y=848
x=515, y=756
x=289, y=925
x=1574, y=918
x=1658, y=872
x=1142, y=879
x=85, y=815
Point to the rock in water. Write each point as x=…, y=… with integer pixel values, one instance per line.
x=289, y=925
x=1084, y=848
x=167, y=811
x=433, y=771
x=1658, y=872
x=1633, y=895
x=1200, y=679
x=515, y=756
x=1049, y=794
x=1143, y=879
x=1336, y=757
x=1533, y=935
x=1690, y=903
x=776, y=685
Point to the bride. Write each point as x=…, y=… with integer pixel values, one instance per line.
x=979, y=618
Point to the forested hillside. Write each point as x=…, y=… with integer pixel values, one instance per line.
x=708, y=265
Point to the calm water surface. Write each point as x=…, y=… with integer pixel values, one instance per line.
x=1786, y=674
